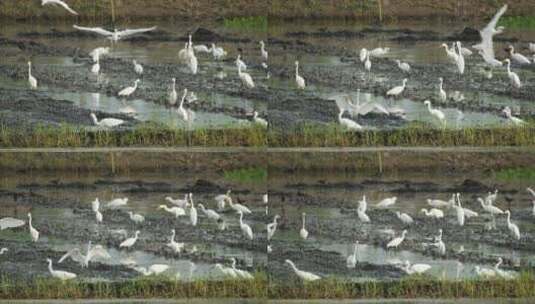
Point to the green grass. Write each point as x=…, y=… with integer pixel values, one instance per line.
x=518, y=22
x=517, y=174
x=257, y=23
x=249, y=175
x=259, y=288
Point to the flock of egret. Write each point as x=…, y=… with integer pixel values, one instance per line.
x=181, y=207
x=437, y=212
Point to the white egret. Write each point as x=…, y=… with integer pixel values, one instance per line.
x=486, y=47
x=396, y=91
x=32, y=80
x=513, y=77
x=493, y=210
x=239, y=208
x=138, y=68
x=128, y=243
x=9, y=222
x=99, y=52
x=459, y=211
x=33, y=232
x=394, y=243
x=508, y=275
x=441, y=93
x=386, y=203
x=183, y=54
x=182, y=111
x=492, y=196
x=209, y=213
x=404, y=218
x=436, y=213
x=377, y=52
x=218, y=52
x=193, y=63
x=263, y=52
x=299, y=80
x=173, y=96
x=97, y=252
x=303, y=233
x=245, y=229
x=201, y=48
x=435, y=112
x=155, y=269
x=182, y=203
x=368, y=63
x=176, y=247
x=467, y=212
x=136, y=218
x=3, y=250
x=246, y=78
x=95, y=69
x=303, y=275
x=117, y=203
x=241, y=273
x=351, y=260
x=517, y=57
x=272, y=227
x=513, y=228
x=98, y=216
x=440, y=245
x=259, y=120
x=106, y=122
x=221, y=200
x=415, y=268
x=176, y=211
x=126, y=92
x=60, y=3
x=348, y=123
x=240, y=63
x=405, y=67
x=436, y=203
x=363, y=217
x=116, y=35
x=58, y=274
x=460, y=59
x=363, y=54
x=452, y=54
x=363, y=204
x=226, y=271
x=484, y=272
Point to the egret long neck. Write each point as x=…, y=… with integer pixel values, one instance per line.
x=50, y=266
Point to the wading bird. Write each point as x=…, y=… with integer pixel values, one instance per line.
x=33, y=232
x=259, y=120
x=3, y=250
x=241, y=273
x=386, y=203
x=405, y=67
x=95, y=69
x=176, y=211
x=484, y=272
x=513, y=77
x=58, y=274
x=263, y=52
x=245, y=229
x=396, y=91
x=218, y=52
x=9, y=222
x=60, y=3
x=128, y=243
x=246, y=79
x=138, y=68
x=210, y=213
x=303, y=233
x=117, y=203
x=513, y=228
x=415, y=268
x=31, y=80
x=240, y=63
x=155, y=269
x=176, y=247
x=173, y=95
x=182, y=203
x=460, y=59
x=126, y=92
x=99, y=53
x=435, y=112
x=303, y=275
x=116, y=35
x=239, y=207
x=136, y=218
x=435, y=213
x=299, y=80
x=351, y=260
x=517, y=57
x=394, y=243
x=486, y=47
x=441, y=93
x=221, y=200
x=404, y=218
x=272, y=227
x=106, y=122
x=515, y=120
x=348, y=123
x=451, y=53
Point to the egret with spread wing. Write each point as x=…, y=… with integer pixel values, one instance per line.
x=116, y=35
x=60, y=3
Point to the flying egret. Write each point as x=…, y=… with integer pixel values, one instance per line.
x=128, y=243
x=240, y=63
x=348, y=123
x=436, y=213
x=60, y=3
x=394, y=243
x=415, y=268
x=136, y=218
x=303, y=233
x=221, y=200
x=245, y=229
x=351, y=260
x=517, y=57
x=513, y=77
x=396, y=91
x=272, y=227
x=239, y=207
x=299, y=80
x=138, y=68
x=106, y=122
x=176, y=247
x=176, y=211
x=259, y=120
x=405, y=67
x=126, y=92
x=386, y=203
x=58, y=274
x=33, y=232
x=97, y=252
x=246, y=78
x=32, y=80
x=210, y=213
x=435, y=112
x=513, y=228
x=404, y=218
x=263, y=52
x=441, y=93
x=486, y=47
x=116, y=35
x=303, y=275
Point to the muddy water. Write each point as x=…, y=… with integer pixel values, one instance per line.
x=330, y=203
x=62, y=213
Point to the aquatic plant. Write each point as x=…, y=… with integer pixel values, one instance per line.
x=516, y=174
x=247, y=175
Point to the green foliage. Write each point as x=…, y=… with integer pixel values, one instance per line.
x=248, y=175
x=518, y=22
x=516, y=174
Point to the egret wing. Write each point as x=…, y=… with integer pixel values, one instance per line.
x=129, y=32
x=98, y=252
x=67, y=7
x=97, y=30
x=74, y=254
